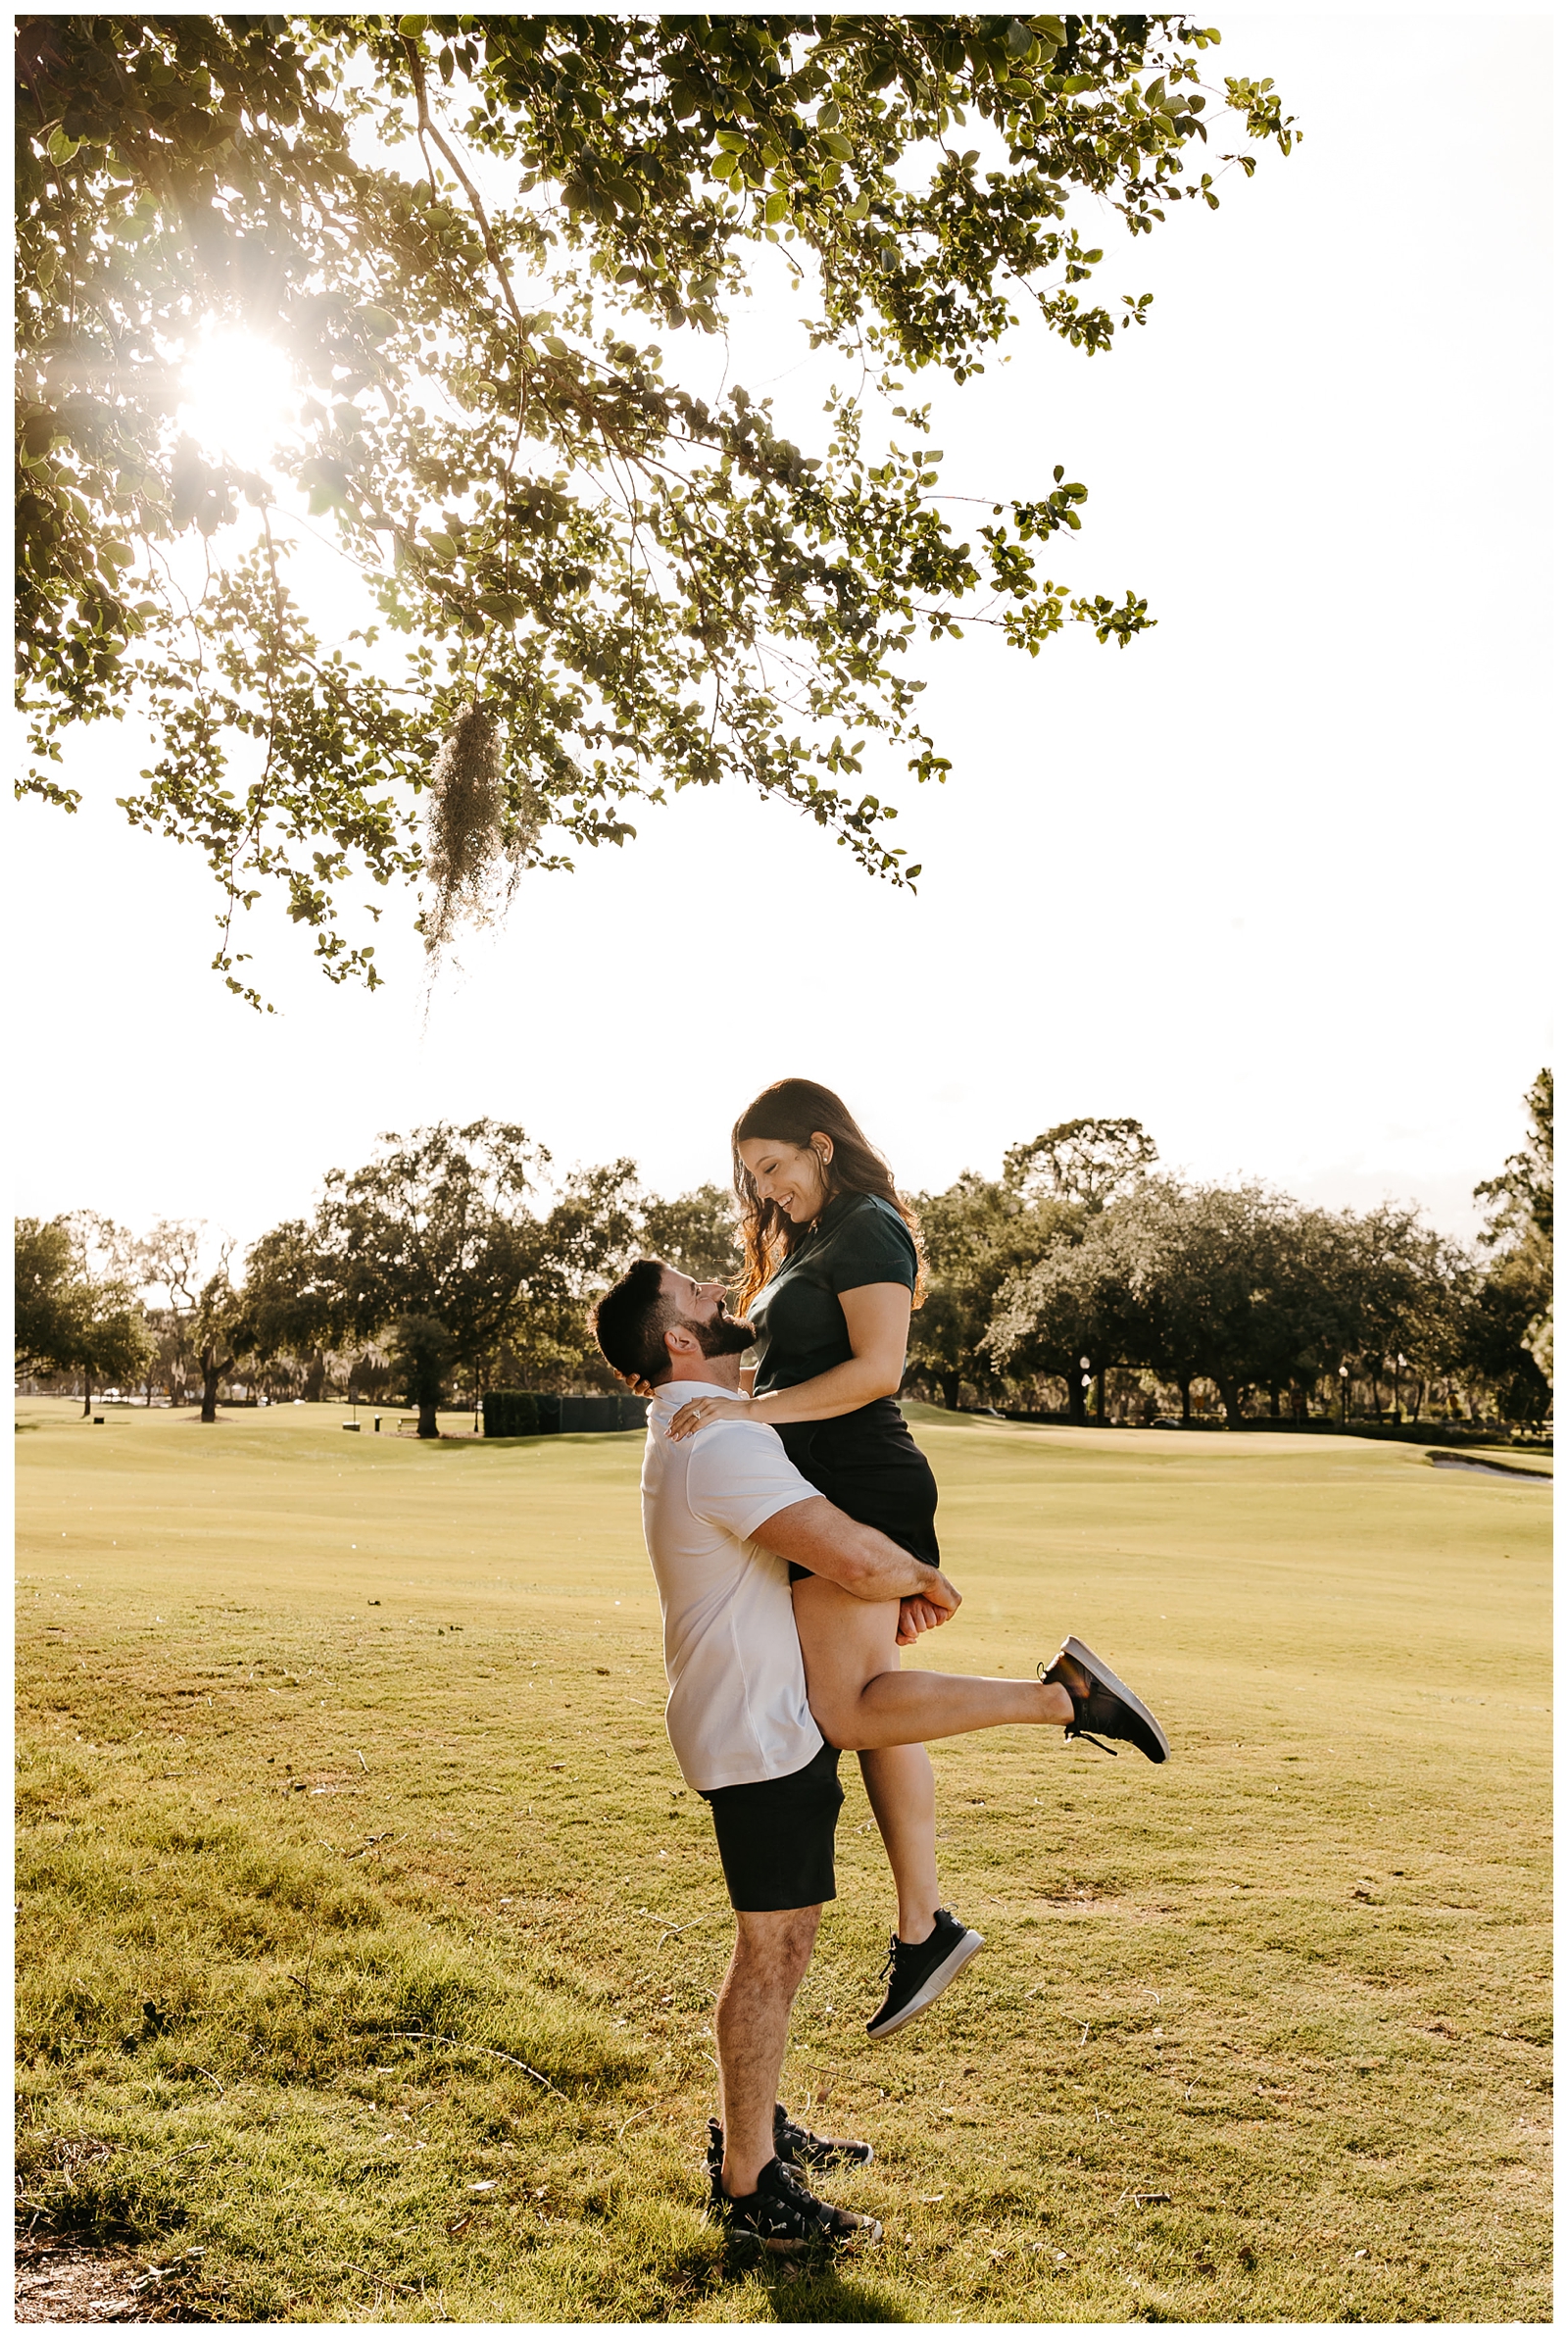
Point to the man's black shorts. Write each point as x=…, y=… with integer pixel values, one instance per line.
x=775, y=1838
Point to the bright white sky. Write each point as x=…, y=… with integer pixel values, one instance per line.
x=1270, y=880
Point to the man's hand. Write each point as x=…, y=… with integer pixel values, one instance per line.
x=704, y=1408
x=917, y=1615
x=937, y=1593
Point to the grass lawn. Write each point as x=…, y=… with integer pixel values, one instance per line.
x=344, y=1779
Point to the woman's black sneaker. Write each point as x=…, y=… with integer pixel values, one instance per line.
x=917, y=1973
x=1102, y=1705
x=797, y=2146
x=787, y=2218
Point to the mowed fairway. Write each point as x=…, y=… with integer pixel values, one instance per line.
x=342, y=1762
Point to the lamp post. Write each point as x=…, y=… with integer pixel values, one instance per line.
x=1400, y=1365
x=1345, y=1396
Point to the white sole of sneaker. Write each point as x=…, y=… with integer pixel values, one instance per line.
x=1102, y=1672
x=931, y=1988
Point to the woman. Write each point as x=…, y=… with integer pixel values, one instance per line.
x=832, y=1273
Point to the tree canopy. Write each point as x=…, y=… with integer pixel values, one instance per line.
x=69, y=1318
x=1082, y=1161
x=1514, y=1308
x=458, y=1257
x=433, y=1248
x=583, y=585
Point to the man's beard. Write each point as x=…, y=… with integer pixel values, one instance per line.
x=725, y=1335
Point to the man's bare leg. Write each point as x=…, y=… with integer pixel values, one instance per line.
x=750, y=2028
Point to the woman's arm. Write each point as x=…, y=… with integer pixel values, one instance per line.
x=876, y=1317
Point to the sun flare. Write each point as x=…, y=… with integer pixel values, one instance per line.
x=241, y=399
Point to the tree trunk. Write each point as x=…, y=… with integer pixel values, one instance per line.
x=1186, y=1403
x=1377, y=1398
x=87, y=1396
x=211, y=1376
x=427, y=1426
x=1076, y=1412
x=1273, y=1401
x=1230, y=1392
x=949, y=1383
x=1100, y=1397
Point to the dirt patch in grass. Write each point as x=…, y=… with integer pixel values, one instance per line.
x=56, y=2281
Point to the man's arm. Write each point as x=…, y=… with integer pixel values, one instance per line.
x=822, y=1540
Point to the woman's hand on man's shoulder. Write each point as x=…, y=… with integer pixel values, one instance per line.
x=702, y=1410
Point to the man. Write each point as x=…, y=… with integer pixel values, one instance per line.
x=724, y=1513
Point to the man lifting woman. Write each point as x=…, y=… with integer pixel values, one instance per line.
x=791, y=1531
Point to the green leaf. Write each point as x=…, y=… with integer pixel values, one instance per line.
x=61, y=148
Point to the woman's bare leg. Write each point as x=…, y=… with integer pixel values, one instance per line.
x=899, y=1781
x=849, y=1647
x=864, y=1702
x=901, y=1789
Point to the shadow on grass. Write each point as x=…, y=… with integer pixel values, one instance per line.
x=827, y=2293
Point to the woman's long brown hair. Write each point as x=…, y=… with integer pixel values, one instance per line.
x=792, y=1112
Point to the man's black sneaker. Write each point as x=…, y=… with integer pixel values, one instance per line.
x=1102, y=1705
x=787, y=2218
x=917, y=1973
x=797, y=2146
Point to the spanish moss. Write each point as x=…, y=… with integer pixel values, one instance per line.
x=478, y=842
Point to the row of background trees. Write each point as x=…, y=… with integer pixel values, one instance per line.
x=1081, y=1281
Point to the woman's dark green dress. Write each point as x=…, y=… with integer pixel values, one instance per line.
x=865, y=1461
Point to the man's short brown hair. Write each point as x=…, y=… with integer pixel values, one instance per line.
x=631, y=1319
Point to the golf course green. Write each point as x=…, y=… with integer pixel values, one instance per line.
x=367, y=1940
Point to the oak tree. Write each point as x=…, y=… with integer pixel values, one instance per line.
x=69, y=1318
x=573, y=584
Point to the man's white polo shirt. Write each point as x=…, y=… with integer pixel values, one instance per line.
x=737, y=1710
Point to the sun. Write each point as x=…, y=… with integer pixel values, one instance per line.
x=241, y=399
